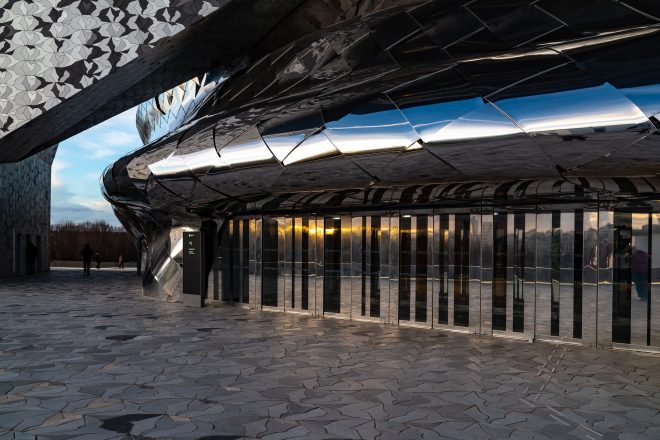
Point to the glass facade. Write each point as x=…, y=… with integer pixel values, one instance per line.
x=579, y=275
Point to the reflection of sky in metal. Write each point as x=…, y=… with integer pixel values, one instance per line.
x=281, y=145
x=358, y=133
x=602, y=106
x=429, y=119
x=647, y=98
x=252, y=151
x=203, y=159
x=169, y=166
x=483, y=122
x=314, y=147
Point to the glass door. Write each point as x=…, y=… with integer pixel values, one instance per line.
x=235, y=260
x=500, y=269
x=332, y=265
x=441, y=268
x=509, y=271
x=454, y=271
x=416, y=269
x=367, y=286
x=461, y=271
x=622, y=272
x=298, y=264
x=270, y=263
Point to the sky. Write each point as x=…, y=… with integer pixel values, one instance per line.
x=79, y=164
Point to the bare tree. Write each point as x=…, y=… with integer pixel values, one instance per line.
x=68, y=238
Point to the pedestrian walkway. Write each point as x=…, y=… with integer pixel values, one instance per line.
x=89, y=357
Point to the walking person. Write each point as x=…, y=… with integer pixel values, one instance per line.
x=98, y=260
x=31, y=255
x=121, y=261
x=87, y=253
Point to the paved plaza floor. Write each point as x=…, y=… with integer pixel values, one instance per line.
x=90, y=358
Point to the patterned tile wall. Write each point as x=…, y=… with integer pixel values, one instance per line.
x=50, y=50
x=25, y=208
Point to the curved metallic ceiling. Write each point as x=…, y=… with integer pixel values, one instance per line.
x=428, y=93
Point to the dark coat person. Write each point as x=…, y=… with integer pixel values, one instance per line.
x=87, y=253
x=98, y=260
x=31, y=256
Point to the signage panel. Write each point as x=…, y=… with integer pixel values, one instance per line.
x=193, y=268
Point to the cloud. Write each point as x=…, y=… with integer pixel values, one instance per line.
x=81, y=211
x=56, y=180
x=113, y=137
x=109, y=142
x=125, y=119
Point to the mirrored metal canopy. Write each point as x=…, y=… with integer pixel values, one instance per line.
x=440, y=95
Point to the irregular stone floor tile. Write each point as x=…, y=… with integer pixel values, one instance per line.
x=89, y=357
